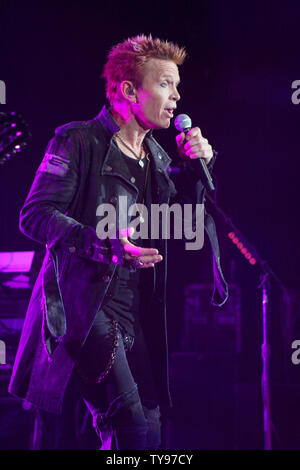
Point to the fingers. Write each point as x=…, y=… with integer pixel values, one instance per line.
x=180, y=138
x=194, y=132
x=151, y=259
x=196, y=141
x=199, y=150
x=134, y=250
x=147, y=256
x=143, y=262
x=194, y=137
x=197, y=146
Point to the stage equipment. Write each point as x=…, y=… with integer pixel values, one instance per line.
x=209, y=329
x=16, y=417
x=266, y=274
x=14, y=134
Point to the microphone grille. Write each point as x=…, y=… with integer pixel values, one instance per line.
x=182, y=122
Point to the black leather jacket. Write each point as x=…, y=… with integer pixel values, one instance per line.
x=83, y=168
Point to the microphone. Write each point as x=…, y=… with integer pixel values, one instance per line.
x=183, y=123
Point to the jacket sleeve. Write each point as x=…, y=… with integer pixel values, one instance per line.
x=44, y=218
x=188, y=179
x=191, y=190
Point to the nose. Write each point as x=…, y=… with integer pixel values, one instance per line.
x=175, y=95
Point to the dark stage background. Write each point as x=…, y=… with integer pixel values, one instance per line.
x=237, y=87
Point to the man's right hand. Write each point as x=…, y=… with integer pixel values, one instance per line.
x=139, y=257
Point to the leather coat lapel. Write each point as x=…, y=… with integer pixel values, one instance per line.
x=115, y=165
x=165, y=187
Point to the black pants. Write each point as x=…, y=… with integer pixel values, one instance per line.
x=124, y=404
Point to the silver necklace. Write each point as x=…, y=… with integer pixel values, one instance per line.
x=139, y=158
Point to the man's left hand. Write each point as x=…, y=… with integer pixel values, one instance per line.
x=193, y=145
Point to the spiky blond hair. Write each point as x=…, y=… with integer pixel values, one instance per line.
x=126, y=60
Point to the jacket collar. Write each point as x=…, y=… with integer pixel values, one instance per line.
x=160, y=158
x=107, y=122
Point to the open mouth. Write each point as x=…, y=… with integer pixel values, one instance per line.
x=169, y=111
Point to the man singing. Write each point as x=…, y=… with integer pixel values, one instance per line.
x=96, y=320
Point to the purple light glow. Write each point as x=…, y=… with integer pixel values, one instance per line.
x=16, y=261
x=21, y=281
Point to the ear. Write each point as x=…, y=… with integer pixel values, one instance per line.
x=128, y=90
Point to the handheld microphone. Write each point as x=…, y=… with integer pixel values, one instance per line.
x=183, y=123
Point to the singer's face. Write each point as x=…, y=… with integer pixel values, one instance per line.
x=157, y=96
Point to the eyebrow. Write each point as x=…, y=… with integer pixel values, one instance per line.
x=170, y=76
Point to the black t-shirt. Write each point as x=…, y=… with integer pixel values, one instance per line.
x=123, y=298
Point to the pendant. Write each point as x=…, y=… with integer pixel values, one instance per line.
x=141, y=163
x=142, y=220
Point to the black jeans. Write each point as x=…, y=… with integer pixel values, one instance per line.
x=124, y=404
